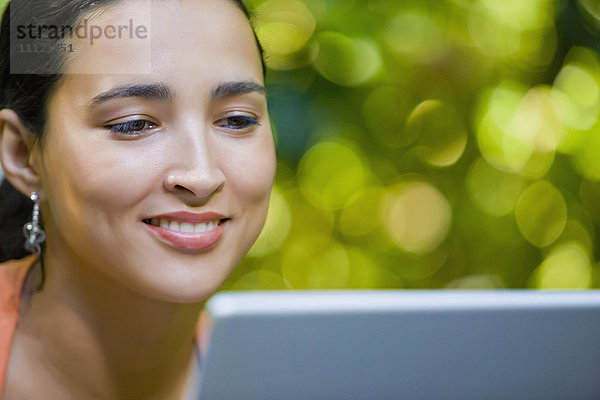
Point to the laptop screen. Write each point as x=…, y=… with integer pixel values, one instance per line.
x=402, y=345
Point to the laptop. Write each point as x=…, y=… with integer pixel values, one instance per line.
x=390, y=345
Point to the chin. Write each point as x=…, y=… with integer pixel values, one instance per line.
x=182, y=293
x=182, y=286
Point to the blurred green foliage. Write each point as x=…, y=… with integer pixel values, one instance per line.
x=431, y=144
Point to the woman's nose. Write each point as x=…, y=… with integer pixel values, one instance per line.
x=195, y=172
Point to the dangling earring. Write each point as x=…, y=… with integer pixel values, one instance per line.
x=34, y=234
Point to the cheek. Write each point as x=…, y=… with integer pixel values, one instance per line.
x=79, y=174
x=250, y=173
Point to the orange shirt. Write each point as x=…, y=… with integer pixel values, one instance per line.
x=12, y=276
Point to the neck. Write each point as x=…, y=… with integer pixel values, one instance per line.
x=102, y=338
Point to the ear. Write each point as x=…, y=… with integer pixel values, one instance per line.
x=16, y=149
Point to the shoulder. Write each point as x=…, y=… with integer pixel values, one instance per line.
x=12, y=275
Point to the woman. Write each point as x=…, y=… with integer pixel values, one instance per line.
x=152, y=160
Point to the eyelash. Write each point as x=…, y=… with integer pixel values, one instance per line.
x=139, y=126
x=127, y=128
x=237, y=122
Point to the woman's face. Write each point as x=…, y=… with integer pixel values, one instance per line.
x=160, y=180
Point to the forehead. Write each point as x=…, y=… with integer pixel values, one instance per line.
x=189, y=44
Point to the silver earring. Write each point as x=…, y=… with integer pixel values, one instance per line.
x=34, y=234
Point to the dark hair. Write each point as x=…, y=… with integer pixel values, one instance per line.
x=28, y=93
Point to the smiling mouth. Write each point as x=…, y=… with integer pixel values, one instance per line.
x=184, y=227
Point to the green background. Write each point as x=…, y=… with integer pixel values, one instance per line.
x=431, y=144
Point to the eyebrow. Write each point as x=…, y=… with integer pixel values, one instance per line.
x=236, y=88
x=152, y=91
x=162, y=92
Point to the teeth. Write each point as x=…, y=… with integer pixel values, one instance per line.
x=209, y=226
x=185, y=227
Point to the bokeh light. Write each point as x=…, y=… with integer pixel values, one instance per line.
x=518, y=30
x=592, y=10
x=496, y=192
x=417, y=216
x=541, y=213
x=284, y=28
x=312, y=227
x=575, y=231
x=442, y=134
x=416, y=35
x=566, y=267
x=330, y=173
x=476, y=281
x=277, y=225
x=367, y=273
x=347, y=61
x=499, y=140
x=304, y=268
x=538, y=119
x=361, y=214
x=578, y=81
x=262, y=279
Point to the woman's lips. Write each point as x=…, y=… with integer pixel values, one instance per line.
x=188, y=231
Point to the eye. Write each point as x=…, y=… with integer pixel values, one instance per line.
x=132, y=128
x=237, y=122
